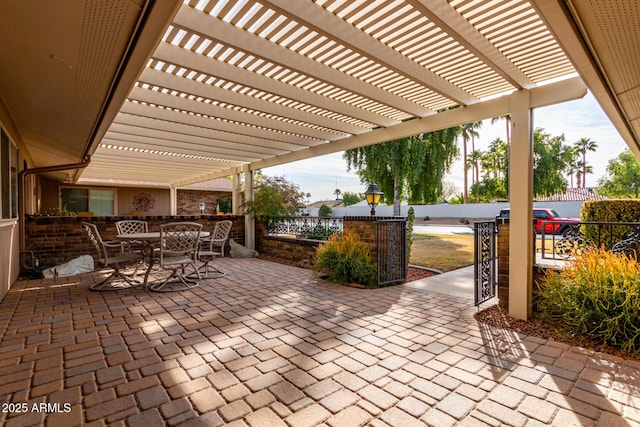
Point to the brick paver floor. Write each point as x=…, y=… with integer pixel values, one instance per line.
x=270, y=345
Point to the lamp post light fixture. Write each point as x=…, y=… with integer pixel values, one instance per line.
x=373, y=195
x=202, y=205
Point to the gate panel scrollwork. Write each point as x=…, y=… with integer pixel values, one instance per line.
x=485, y=274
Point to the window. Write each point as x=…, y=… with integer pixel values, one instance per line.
x=98, y=201
x=8, y=176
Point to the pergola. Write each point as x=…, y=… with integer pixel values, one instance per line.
x=168, y=93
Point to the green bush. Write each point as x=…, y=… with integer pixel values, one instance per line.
x=324, y=211
x=409, y=240
x=627, y=210
x=347, y=260
x=596, y=296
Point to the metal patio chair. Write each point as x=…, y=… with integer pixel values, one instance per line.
x=133, y=226
x=206, y=251
x=219, y=236
x=112, y=261
x=178, y=250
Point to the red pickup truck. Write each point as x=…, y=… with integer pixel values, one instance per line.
x=553, y=223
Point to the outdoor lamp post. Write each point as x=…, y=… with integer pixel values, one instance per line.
x=373, y=194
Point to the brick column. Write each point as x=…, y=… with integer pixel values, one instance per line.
x=503, y=262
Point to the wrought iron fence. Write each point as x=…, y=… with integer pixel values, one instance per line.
x=619, y=237
x=391, y=246
x=485, y=274
x=306, y=227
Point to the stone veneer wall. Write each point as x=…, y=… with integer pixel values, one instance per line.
x=55, y=240
x=188, y=201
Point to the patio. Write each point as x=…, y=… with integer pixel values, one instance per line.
x=270, y=344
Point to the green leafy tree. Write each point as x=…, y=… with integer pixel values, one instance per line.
x=582, y=146
x=324, y=211
x=489, y=189
x=349, y=198
x=274, y=196
x=411, y=167
x=549, y=161
x=495, y=161
x=623, y=176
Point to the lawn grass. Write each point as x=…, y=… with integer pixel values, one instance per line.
x=444, y=252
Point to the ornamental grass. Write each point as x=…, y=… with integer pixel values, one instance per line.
x=598, y=296
x=346, y=259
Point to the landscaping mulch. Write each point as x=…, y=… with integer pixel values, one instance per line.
x=496, y=316
x=414, y=273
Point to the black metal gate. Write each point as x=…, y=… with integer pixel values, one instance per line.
x=485, y=271
x=391, y=238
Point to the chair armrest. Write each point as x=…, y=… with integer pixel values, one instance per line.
x=116, y=244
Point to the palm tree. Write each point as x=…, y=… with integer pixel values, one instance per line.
x=496, y=159
x=507, y=119
x=468, y=131
x=337, y=192
x=475, y=157
x=572, y=158
x=582, y=146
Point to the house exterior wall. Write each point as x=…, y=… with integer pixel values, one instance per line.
x=188, y=201
x=9, y=227
x=9, y=255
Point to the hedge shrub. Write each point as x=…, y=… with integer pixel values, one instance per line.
x=620, y=210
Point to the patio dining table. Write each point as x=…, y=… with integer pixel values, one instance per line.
x=149, y=240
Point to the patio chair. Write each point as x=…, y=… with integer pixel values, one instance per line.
x=133, y=226
x=206, y=255
x=178, y=249
x=219, y=236
x=112, y=261
x=206, y=252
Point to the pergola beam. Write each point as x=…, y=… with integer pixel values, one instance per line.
x=209, y=114
x=326, y=23
x=230, y=35
x=170, y=81
x=183, y=57
x=566, y=90
x=210, y=123
x=445, y=17
x=546, y=95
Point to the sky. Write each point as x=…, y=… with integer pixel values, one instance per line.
x=577, y=119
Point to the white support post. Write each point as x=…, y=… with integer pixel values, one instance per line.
x=235, y=192
x=249, y=223
x=173, y=200
x=521, y=199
